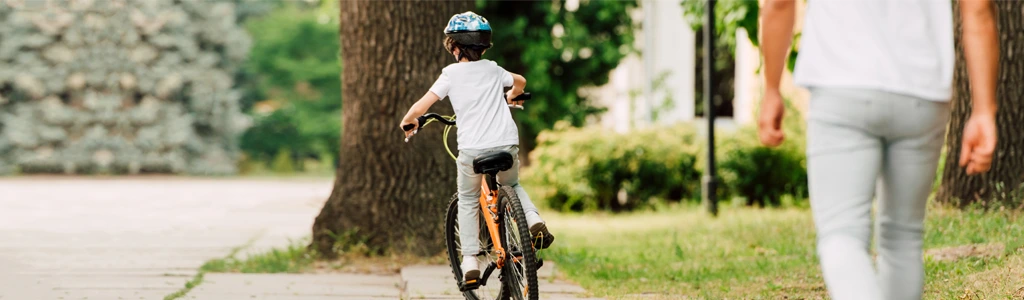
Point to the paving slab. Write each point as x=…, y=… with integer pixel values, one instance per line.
x=219, y=286
x=138, y=237
x=437, y=282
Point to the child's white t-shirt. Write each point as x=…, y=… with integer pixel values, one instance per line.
x=476, y=90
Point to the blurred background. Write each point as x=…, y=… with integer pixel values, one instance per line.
x=229, y=114
x=251, y=88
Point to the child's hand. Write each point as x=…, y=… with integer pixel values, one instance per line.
x=512, y=94
x=406, y=123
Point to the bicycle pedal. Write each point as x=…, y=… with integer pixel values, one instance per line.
x=469, y=285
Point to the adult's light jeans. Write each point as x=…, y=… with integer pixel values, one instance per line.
x=469, y=194
x=863, y=144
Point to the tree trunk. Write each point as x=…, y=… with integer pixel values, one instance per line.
x=1007, y=171
x=390, y=194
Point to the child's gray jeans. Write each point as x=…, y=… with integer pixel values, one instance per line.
x=862, y=144
x=469, y=194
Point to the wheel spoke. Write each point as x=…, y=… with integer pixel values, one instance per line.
x=518, y=264
x=485, y=257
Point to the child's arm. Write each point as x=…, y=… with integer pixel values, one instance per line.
x=417, y=110
x=518, y=86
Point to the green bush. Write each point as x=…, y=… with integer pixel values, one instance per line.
x=579, y=169
x=294, y=93
x=283, y=163
x=762, y=175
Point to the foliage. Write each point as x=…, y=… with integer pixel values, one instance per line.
x=559, y=47
x=762, y=175
x=731, y=15
x=296, y=95
x=591, y=168
x=283, y=163
x=724, y=72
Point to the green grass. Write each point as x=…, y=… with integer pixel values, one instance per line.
x=198, y=278
x=292, y=259
x=977, y=276
x=752, y=253
x=196, y=281
x=742, y=254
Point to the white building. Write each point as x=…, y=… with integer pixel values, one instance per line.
x=667, y=43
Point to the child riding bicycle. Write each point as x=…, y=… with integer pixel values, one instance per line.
x=475, y=86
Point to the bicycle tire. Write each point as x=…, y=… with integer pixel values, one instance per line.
x=509, y=201
x=455, y=253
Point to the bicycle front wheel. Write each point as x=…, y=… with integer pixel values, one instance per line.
x=519, y=276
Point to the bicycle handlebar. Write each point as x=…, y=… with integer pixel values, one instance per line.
x=424, y=118
x=521, y=97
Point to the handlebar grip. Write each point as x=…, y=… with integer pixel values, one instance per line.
x=521, y=97
x=419, y=120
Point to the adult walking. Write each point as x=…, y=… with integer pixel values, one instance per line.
x=880, y=73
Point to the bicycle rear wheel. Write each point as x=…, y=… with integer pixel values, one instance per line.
x=519, y=276
x=491, y=285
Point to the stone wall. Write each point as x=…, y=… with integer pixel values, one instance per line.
x=120, y=86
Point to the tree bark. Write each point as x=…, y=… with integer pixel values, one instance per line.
x=387, y=193
x=1007, y=172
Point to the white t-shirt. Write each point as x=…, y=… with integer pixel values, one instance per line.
x=476, y=90
x=899, y=46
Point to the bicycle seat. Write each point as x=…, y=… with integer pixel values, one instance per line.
x=492, y=163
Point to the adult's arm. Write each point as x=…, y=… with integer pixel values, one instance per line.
x=777, y=17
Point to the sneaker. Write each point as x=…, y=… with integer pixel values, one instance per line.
x=470, y=270
x=542, y=238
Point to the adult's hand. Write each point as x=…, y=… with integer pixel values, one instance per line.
x=979, y=143
x=769, y=123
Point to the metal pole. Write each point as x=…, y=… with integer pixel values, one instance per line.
x=709, y=180
x=644, y=107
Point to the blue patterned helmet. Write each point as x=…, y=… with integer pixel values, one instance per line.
x=467, y=22
x=469, y=29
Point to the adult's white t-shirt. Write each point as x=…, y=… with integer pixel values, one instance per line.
x=899, y=46
x=476, y=91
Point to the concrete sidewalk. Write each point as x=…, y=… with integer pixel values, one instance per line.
x=137, y=238
x=145, y=237
x=414, y=282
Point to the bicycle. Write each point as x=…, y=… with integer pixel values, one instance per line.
x=505, y=248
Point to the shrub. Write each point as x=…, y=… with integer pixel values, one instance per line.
x=283, y=162
x=293, y=91
x=762, y=175
x=591, y=168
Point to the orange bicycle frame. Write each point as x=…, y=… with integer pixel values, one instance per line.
x=489, y=207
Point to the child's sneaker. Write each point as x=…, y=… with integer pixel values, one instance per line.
x=470, y=270
x=542, y=238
